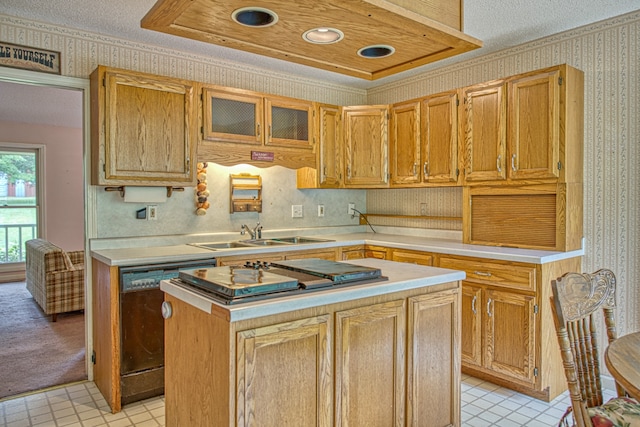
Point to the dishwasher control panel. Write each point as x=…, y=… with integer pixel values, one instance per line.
x=148, y=277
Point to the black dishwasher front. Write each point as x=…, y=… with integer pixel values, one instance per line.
x=142, y=327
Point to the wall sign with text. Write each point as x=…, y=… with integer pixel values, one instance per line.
x=29, y=58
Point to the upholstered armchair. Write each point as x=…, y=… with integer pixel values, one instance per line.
x=55, y=278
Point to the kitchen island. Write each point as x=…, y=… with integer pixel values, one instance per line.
x=382, y=353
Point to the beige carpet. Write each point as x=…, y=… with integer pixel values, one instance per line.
x=36, y=353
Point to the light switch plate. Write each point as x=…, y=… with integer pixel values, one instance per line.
x=152, y=212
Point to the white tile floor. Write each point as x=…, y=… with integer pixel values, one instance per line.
x=81, y=405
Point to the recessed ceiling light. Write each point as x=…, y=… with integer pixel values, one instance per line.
x=254, y=17
x=376, y=51
x=323, y=35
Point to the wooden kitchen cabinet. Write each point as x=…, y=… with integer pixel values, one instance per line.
x=384, y=360
x=507, y=327
x=370, y=366
x=143, y=129
x=510, y=326
x=379, y=252
x=362, y=251
x=532, y=134
x=328, y=254
x=330, y=146
x=330, y=151
x=534, y=126
x=286, y=366
x=404, y=145
x=439, y=139
x=471, y=341
x=242, y=126
x=239, y=260
x=351, y=252
x=235, y=115
x=424, y=141
x=366, y=146
x=503, y=313
x=483, y=124
x=413, y=257
x=431, y=375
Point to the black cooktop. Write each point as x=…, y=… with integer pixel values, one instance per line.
x=232, y=284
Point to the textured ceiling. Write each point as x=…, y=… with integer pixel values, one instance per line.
x=498, y=23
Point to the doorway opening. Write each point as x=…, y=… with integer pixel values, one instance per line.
x=41, y=206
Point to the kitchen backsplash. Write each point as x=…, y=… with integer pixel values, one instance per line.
x=279, y=193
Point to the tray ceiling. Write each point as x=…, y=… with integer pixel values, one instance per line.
x=415, y=34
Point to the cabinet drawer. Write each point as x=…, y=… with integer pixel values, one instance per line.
x=508, y=275
x=420, y=258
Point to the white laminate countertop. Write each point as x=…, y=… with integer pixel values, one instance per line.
x=139, y=255
x=401, y=277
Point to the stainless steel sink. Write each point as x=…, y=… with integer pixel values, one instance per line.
x=280, y=241
x=301, y=240
x=221, y=245
x=263, y=242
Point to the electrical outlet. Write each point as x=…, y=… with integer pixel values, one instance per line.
x=152, y=212
x=423, y=209
x=351, y=211
x=320, y=210
x=296, y=211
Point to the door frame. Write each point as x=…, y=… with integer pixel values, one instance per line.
x=90, y=227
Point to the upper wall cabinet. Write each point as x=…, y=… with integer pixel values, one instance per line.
x=483, y=124
x=404, y=148
x=143, y=129
x=532, y=135
x=439, y=147
x=330, y=147
x=424, y=141
x=246, y=122
x=366, y=146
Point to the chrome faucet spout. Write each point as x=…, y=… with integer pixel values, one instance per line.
x=254, y=233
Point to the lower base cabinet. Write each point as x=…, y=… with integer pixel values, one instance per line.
x=389, y=360
x=285, y=366
x=507, y=327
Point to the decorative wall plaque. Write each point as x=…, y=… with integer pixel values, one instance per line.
x=29, y=58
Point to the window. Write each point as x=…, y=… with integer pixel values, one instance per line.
x=19, y=201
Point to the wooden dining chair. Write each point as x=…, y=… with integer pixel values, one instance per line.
x=575, y=300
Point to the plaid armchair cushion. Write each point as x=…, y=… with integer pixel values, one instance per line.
x=55, y=278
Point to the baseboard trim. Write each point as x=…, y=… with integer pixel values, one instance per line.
x=12, y=276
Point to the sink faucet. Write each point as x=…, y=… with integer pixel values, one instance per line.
x=255, y=233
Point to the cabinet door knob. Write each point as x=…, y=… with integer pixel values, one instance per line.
x=513, y=162
x=498, y=165
x=167, y=309
x=473, y=304
x=489, y=307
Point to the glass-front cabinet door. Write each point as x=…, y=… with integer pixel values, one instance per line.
x=231, y=116
x=289, y=122
x=245, y=117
